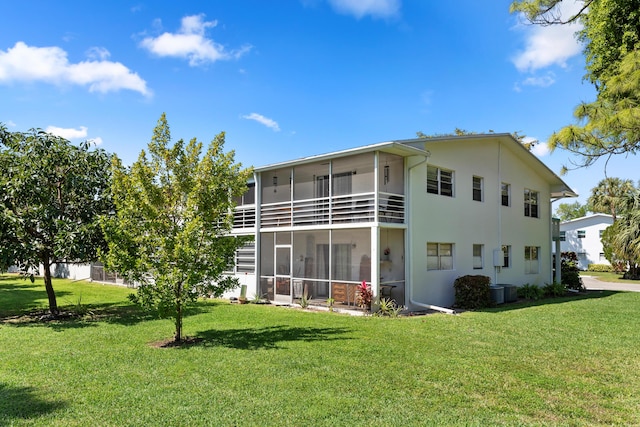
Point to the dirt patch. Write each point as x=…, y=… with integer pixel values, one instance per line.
x=171, y=343
x=40, y=317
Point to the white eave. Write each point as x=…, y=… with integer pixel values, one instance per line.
x=559, y=188
x=391, y=147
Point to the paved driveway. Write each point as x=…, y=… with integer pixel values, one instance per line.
x=593, y=284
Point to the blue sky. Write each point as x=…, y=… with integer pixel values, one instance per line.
x=289, y=78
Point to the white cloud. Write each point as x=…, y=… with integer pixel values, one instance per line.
x=360, y=8
x=539, y=81
x=549, y=45
x=51, y=65
x=67, y=133
x=71, y=133
x=191, y=43
x=263, y=120
x=540, y=149
x=11, y=124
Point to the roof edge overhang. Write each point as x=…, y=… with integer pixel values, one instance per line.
x=559, y=188
x=392, y=147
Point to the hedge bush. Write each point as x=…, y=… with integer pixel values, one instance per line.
x=472, y=291
x=600, y=268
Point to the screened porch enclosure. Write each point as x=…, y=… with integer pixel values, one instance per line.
x=323, y=264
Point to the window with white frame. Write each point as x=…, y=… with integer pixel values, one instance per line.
x=439, y=181
x=478, y=259
x=601, y=257
x=563, y=236
x=439, y=256
x=506, y=254
x=505, y=191
x=531, y=260
x=478, y=184
x=531, y=203
x=582, y=234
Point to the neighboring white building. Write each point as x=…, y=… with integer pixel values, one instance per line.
x=408, y=217
x=582, y=236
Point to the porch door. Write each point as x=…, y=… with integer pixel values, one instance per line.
x=283, y=274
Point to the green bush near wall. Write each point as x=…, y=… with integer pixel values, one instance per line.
x=472, y=291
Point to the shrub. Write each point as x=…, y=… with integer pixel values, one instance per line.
x=570, y=276
x=388, y=307
x=528, y=291
x=600, y=268
x=472, y=291
x=554, y=289
x=364, y=295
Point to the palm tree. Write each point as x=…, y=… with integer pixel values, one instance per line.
x=612, y=196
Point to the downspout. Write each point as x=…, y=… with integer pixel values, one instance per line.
x=409, y=258
x=497, y=269
x=257, y=267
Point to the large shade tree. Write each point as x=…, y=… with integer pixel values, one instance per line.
x=51, y=196
x=609, y=125
x=174, y=212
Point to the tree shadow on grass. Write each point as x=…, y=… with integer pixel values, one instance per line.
x=16, y=297
x=270, y=337
x=90, y=315
x=21, y=403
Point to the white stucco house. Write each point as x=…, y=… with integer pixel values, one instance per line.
x=408, y=217
x=582, y=236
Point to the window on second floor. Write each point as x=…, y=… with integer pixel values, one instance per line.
x=531, y=203
x=439, y=181
x=477, y=188
x=249, y=196
x=563, y=236
x=505, y=190
x=582, y=234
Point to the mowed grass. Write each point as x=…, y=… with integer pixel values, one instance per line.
x=566, y=361
x=610, y=277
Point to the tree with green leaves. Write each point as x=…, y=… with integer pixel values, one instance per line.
x=569, y=211
x=610, y=125
x=174, y=212
x=621, y=243
x=612, y=196
x=51, y=196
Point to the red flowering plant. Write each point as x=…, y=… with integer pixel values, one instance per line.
x=365, y=294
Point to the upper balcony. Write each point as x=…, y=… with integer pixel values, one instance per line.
x=363, y=187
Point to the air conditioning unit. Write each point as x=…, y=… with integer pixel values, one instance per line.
x=497, y=294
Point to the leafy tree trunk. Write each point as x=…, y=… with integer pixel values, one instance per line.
x=53, y=304
x=178, y=322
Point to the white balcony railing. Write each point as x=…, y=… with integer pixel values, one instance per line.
x=335, y=210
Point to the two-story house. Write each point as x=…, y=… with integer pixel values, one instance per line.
x=408, y=217
x=583, y=236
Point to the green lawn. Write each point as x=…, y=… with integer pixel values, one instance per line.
x=610, y=277
x=571, y=361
